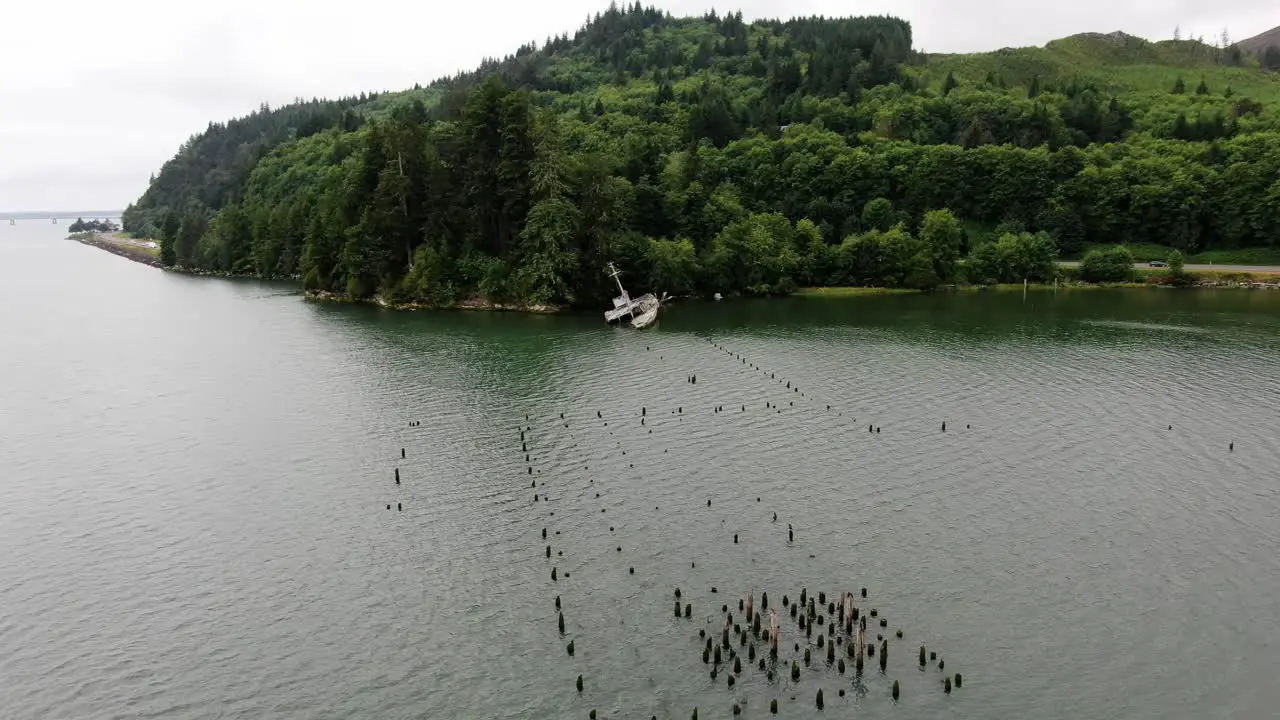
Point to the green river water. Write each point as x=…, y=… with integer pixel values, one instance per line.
x=195, y=474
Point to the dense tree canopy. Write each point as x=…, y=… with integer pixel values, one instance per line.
x=82, y=225
x=710, y=154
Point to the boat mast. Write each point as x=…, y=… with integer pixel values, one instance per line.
x=614, y=273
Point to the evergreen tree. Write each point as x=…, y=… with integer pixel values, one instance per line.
x=190, y=231
x=169, y=239
x=949, y=84
x=481, y=140
x=1202, y=88
x=1181, y=129
x=514, y=160
x=1034, y=90
x=1179, y=87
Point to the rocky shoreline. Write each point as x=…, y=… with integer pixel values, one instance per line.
x=1238, y=284
x=124, y=250
x=473, y=303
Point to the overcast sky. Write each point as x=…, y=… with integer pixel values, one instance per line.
x=95, y=96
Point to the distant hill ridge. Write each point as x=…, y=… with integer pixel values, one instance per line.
x=1118, y=63
x=1262, y=41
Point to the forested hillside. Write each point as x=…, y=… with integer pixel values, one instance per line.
x=709, y=154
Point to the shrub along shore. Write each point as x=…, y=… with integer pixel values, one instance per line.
x=1108, y=268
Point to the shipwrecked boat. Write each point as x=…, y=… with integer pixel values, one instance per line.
x=639, y=312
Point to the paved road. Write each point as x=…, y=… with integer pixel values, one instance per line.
x=1193, y=268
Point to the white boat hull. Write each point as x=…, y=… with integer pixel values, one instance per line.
x=645, y=319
